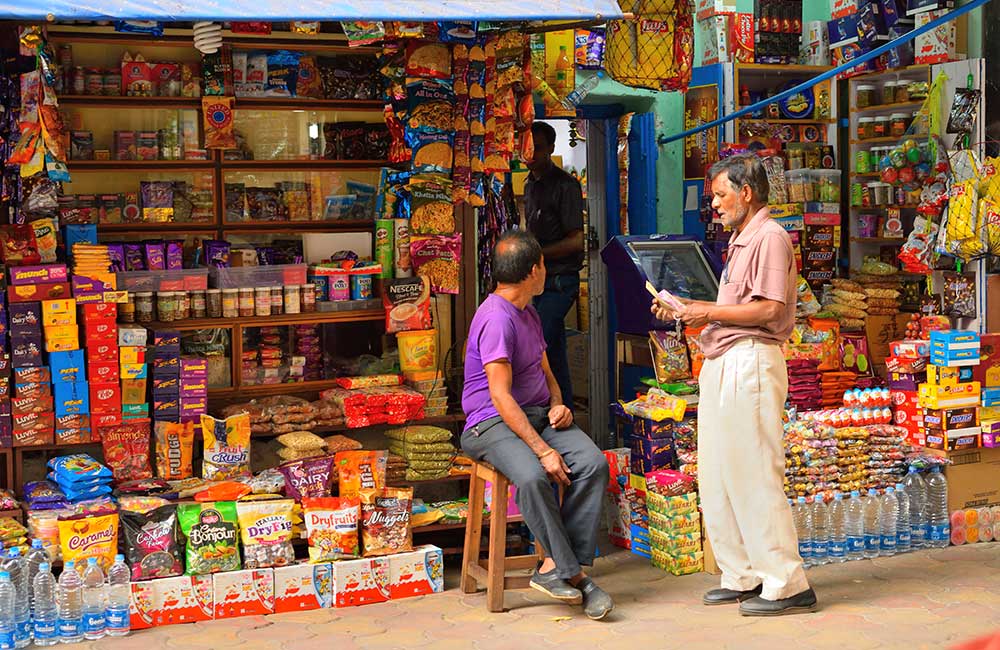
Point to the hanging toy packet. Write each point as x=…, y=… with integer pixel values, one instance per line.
x=227, y=447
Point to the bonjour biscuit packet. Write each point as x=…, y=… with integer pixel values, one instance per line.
x=212, y=533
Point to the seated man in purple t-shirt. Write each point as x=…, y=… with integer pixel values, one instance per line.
x=518, y=423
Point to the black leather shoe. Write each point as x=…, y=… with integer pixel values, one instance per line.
x=728, y=596
x=552, y=585
x=596, y=602
x=804, y=602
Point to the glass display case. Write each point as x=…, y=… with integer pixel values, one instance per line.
x=682, y=266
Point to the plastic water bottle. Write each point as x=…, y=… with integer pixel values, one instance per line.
x=16, y=567
x=937, y=509
x=916, y=490
x=7, y=592
x=873, y=527
x=855, y=527
x=36, y=557
x=821, y=531
x=889, y=515
x=94, y=601
x=579, y=93
x=70, y=604
x=838, y=529
x=45, y=614
x=802, y=516
x=903, y=536
x=119, y=597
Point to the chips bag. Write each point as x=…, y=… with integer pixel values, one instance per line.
x=218, y=113
x=174, y=449
x=212, y=540
x=152, y=543
x=266, y=529
x=332, y=524
x=126, y=450
x=77, y=468
x=385, y=521
x=87, y=537
x=227, y=447
x=308, y=477
x=360, y=470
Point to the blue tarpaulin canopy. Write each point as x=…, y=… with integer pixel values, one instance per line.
x=277, y=10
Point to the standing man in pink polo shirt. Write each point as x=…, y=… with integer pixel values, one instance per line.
x=744, y=383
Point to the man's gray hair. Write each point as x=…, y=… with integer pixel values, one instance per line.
x=744, y=169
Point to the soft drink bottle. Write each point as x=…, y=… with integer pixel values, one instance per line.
x=802, y=517
x=937, y=509
x=70, y=604
x=7, y=595
x=14, y=564
x=855, y=527
x=45, y=614
x=888, y=514
x=916, y=490
x=873, y=527
x=94, y=604
x=36, y=556
x=903, y=535
x=119, y=596
x=821, y=531
x=838, y=529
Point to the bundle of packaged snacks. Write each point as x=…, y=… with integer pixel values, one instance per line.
x=328, y=414
x=227, y=447
x=276, y=415
x=152, y=543
x=12, y=533
x=8, y=501
x=266, y=529
x=89, y=536
x=427, y=450
x=332, y=526
x=338, y=442
x=385, y=521
x=300, y=444
x=395, y=469
x=174, y=449
x=126, y=450
x=212, y=537
x=308, y=477
x=377, y=405
x=80, y=477
x=360, y=470
x=44, y=495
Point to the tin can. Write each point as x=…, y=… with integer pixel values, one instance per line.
x=78, y=81
x=262, y=301
x=385, y=231
x=862, y=164
x=900, y=195
x=857, y=194
x=404, y=267
x=94, y=81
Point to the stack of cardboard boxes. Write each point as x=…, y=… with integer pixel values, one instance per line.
x=951, y=398
x=725, y=35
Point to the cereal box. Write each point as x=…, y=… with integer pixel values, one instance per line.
x=302, y=587
x=416, y=573
x=360, y=582
x=182, y=599
x=244, y=593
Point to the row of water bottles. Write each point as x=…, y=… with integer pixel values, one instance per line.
x=34, y=606
x=912, y=515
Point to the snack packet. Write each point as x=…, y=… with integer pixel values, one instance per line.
x=86, y=537
x=212, y=540
x=385, y=521
x=407, y=305
x=308, y=477
x=126, y=450
x=266, y=529
x=332, y=525
x=174, y=449
x=153, y=543
x=77, y=468
x=358, y=470
x=439, y=259
x=227, y=447
x=218, y=117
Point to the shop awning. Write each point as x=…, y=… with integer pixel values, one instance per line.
x=278, y=10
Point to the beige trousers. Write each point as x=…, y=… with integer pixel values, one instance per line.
x=741, y=468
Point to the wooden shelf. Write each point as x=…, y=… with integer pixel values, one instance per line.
x=879, y=240
x=451, y=478
x=888, y=139
x=139, y=165
x=785, y=121
x=173, y=227
x=433, y=528
x=301, y=103
x=270, y=321
x=179, y=37
x=302, y=165
x=883, y=108
x=907, y=206
x=262, y=390
x=891, y=74
x=109, y=101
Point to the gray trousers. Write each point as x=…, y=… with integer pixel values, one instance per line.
x=568, y=534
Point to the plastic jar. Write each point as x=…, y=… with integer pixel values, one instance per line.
x=230, y=303
x=827, y=185
x=799, y=183
x=126, y=310
x=277, y=301
x=902, y=92
x=262, y=301
x=183, y=305
x=246, y=302
x=882, y=126
x=308, y=299
x=900, y=122
x=213, y=303
x=144, y=306
x=293, y=299
x=94, y=81
x=865, y=96
x=340, y=286
x=866, y=128
x=198, y=307
x=112, y=82
x=166, y=306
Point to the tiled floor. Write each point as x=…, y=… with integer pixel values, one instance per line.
x=931, y=599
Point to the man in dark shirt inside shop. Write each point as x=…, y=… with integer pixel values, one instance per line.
x=554, y=215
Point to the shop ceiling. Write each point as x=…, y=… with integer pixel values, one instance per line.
x=343, y=10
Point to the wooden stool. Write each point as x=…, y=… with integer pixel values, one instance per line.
x=492, y=570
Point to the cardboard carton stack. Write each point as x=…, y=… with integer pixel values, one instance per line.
x=951, y=398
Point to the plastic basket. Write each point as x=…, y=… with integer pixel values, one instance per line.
x=177, y=280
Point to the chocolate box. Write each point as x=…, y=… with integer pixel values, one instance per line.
x=75, y=421
x=27, y=405
x=38, y=375
x=947, y=375
x=951, y=419
x=58, y=312
x=103, y=371
x=303, y=587
x=166, y=367
x=105, y=398
x=39, y=422
x=72, y=398
x=32, y=390
x=108, y=310
x=360, y=582
x=191, y=406
x=166, y=386
x=42, y=273
x=650, y=455
x=133, y=391
x=167, y=339
x=165, y=408
x=243, y=593
x=92, y=287
x=61, y=343
x=101, y=420
x=27, y=314
x=134, y=371
x=417, y=573
x=194, y=368
x=652, y=430
x=103, y=351
x=24, y=355
x=98, y=330
x=132, y=354
x=38, y=292
x=135, y=410
x=32, y=437
x=74, y=436
x=130, y=335
x=67, y=366
x=194, y=388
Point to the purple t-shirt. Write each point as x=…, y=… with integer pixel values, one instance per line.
x=500, y=330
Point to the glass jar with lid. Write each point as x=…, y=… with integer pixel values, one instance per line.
x=866, y=128
x=882, y=126
x=899, y=123
x=865, y=96
x=902, y=92
x=889, y=92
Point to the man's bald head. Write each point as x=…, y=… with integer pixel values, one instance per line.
x=516, y=254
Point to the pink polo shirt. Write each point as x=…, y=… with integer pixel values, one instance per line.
x=760, y=264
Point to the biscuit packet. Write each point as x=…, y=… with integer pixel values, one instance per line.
x=212, y=536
